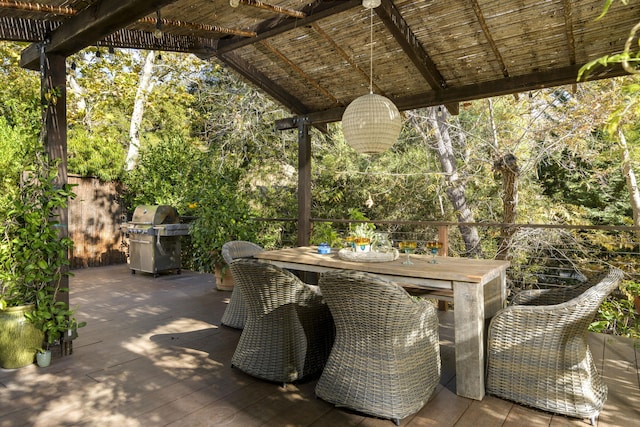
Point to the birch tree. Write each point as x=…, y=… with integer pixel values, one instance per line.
x=144, y=88
x=436, y=121
x=630, y=177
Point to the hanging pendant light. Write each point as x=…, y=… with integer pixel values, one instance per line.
x=370, y=4
x=371, y=123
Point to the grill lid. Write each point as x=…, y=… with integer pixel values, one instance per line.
x=155, y=215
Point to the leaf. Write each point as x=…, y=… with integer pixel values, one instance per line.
x=605, y=9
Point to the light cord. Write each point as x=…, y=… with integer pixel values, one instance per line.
x=371, y=53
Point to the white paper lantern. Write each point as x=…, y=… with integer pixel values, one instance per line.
x=370, y=4
x=371, y=124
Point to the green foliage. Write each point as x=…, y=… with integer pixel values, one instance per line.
x=617, y=317
x=631, y=288
x=168, y=173
x=91, y=154
x=607, y=5
x=20, y=117
x=222, y=214
x=591, y=185
x=363, y=229
x=13, y=152
x=324, y=232
x=32, y=255
x=20, y=91
x=53, y=317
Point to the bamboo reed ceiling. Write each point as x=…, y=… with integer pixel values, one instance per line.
x=313, y=55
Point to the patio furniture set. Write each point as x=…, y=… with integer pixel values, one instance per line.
x=376, y=348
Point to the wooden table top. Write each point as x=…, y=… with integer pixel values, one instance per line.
x=446, y=269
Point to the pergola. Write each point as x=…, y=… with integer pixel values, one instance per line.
x=313, y=56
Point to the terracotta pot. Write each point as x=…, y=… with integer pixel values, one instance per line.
x=224, y=279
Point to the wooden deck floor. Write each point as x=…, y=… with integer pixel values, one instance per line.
x=154, y=354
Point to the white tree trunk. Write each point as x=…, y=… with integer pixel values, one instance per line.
x=78, y=91
x=144, y=88
x=632, y=184
x=437, y=120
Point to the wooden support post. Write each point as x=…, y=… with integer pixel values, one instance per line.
x=304, y=183
x=443, y=236
x=53, y=87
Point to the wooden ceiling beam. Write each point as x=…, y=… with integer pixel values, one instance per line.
x=250, y=73
x=489, y=37
x=89, y=26
x=138, y=39
x=410, y=44
x=509, y=85
x=276, y=9
x=314, y=11
x=340, y=51
x=568, y=29
x=306, y=77
x=506, y=86
x=412, y=47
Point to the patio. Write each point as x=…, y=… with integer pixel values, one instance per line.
x=154, y=353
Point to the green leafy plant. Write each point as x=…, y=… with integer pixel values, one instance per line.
x=631, y=288
x=323, y=232
x=222, y=214
x=32, y=254
x=364, y=229
x=618, y=315
x=53, y=317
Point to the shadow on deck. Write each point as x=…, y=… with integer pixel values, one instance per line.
x=154, y=354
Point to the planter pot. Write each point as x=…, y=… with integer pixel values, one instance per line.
x=43, y=359
x=636, y=302
x=224, y=279
x=70, y=335
x=362, y=244
x=363, y=248
x=19, y=339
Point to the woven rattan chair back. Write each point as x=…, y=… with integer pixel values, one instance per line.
x=538, y=354
x=239, y=249
x=386, y=358
x=288, y=332
x=235, y=314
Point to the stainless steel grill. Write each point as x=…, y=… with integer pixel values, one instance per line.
x=154, y=239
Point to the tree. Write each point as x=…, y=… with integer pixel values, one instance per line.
x=436, y=119
x=628, y=108
x=103, y=107
x=142, y=93
x=19, y=118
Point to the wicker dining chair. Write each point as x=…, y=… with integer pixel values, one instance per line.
x=385, y=360
x=288, y=332
x=538, y=354
x=235, y=314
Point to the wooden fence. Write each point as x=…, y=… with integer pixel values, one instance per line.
x=95, y=215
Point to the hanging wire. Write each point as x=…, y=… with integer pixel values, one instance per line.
x=371, y=51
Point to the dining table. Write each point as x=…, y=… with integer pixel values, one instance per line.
x=478, y=287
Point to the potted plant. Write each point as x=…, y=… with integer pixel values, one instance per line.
x=222, y=215
x=32, y=258
x=55, y=319
x=363, y=235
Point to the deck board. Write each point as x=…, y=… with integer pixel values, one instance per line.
x=154, y=354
